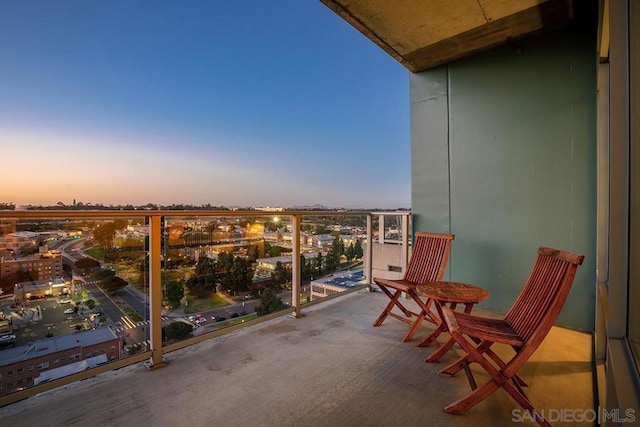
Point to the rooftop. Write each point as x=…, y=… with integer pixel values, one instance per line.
x=56, y=344
x=330, y=367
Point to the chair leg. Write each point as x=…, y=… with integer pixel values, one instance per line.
x=502, y=365
x=440, y=351
x=393, y=302
x=460, y=406
x=470, y=378
x=518, y=395
x=455, y=367
x=458, y=365
x=425, y=313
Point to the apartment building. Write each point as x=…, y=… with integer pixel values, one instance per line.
x=55, y=357
x=42, y=266
x=20, y=240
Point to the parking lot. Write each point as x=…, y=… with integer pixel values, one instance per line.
x=41, y=319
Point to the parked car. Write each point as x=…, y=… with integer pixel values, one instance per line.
x=7, y=338
x=69, y=311
x=64, y=301
x=220, y=318
x=233, y=315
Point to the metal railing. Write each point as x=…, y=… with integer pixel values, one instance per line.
x=153, y=356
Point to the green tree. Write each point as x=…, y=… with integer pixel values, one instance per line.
x=275, y=251
x=269, y=303
x=86, y=264
x=350, y=252
x=177, y=330
x=225, y=261
x=322, y=229
x=174, y=293
x=319, y=263
x=91, y=304
x=305, y=267
x=105, y=233
x=281, y=275
x=242, y=274
x=330, y=262
x=266, y=248
x=205, y=266
x=252, y=253
x=358, y=250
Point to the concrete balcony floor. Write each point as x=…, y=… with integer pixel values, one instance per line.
x=329, y=368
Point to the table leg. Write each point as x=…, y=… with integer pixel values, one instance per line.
x=443, y=349
x=440, y=328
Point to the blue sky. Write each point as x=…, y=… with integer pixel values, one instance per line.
x=246, y=103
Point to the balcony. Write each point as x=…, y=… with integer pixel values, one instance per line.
x=314, y=362
x=330, y=367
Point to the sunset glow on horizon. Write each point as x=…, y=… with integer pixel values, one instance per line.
x=242, y=103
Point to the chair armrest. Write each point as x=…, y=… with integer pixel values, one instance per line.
x=450, y=319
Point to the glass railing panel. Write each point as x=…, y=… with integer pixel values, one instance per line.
x=218, y=271
x=393, y=227
x=332, y=254
x=73, y=296
x=88, y=302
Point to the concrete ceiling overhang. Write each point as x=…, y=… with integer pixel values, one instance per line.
x=421, y=34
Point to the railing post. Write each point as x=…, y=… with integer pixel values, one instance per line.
x=295, y=265
x=381, y=229
x=368, y=262
x=155, y=291
x=404, y=256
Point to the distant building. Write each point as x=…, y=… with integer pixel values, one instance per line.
x=52, y=358
x=269, y=209
x=336, y=283
x=20, y=240
x=25, y=291
x=255, y=230
x=43, y=266
x=320, y=240
x=266, y=266
x=7, y=226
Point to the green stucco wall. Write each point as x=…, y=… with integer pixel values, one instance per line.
x=504, y=156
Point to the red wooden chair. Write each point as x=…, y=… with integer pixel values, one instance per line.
x=523, y=328
x=427, y=264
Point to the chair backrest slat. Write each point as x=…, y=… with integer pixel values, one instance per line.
x=545, y=292
x=429, y=257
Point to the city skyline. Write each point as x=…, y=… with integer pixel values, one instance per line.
x=227, y=104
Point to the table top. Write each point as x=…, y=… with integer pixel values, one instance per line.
x=453, y=292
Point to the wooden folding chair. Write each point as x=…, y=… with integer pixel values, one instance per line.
x=523, y=328
x=427, y=264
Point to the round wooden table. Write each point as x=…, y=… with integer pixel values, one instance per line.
x=452, y=293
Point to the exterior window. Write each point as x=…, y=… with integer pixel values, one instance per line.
x=55, y=361
x=30, y=368
x=42, y=366
x=9, y=373
x=633, y=321
x=20, y=370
